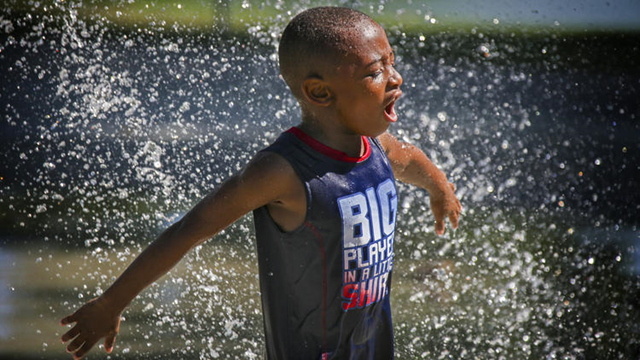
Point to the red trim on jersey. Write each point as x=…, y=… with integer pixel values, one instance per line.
x=323, y=254
x=331, y=152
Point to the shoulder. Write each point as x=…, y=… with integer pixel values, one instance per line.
x=388, y=142
x=269, y=166
x=279, y=187
x=399, y=153
x=271, y=173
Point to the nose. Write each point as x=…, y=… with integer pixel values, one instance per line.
x=395, y=80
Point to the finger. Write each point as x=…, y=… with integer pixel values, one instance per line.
x=71, y=334
x=453, y=218
x=109, y=342
x=68, y=320
x=84, y=350
x=75, y=344
x=440, y=227
x=439, y=216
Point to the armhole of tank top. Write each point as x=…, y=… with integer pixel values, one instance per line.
x=383, y=153
x=307, y=195
x=375, y=142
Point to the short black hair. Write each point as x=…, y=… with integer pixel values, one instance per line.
x=316, y=35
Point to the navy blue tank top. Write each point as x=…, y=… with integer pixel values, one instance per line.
x=325, y=286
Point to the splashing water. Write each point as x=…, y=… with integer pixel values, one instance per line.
x=114, y=126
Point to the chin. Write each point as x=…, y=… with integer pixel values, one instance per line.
x=375, y=134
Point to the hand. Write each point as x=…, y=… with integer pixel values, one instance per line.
x=446, y=204
x=94, y=320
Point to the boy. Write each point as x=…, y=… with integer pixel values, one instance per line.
x=324, y=203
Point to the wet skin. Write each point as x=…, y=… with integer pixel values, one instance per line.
x=356, y=96
x=355, y=99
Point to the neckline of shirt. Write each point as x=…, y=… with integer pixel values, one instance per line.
x=329, y=151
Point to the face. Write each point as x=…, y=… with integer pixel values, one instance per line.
x=366, y=85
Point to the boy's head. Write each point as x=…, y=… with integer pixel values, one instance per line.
x=314, y=41
x=339, y=65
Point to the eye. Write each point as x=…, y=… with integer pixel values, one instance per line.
x=374, y=72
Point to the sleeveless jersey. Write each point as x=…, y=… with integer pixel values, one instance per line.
x=325, y=286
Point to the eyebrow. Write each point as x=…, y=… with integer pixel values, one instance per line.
x=378, y=59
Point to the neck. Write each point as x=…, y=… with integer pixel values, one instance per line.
x=350, y=144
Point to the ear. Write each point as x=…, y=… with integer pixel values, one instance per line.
x=316, y=91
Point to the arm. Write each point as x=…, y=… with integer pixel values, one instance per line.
x=412, y=166
x=238, y=195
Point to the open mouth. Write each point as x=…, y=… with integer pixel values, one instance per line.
x=390, y=112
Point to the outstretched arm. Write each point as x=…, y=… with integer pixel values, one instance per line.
x=100, y=317
x=412, y=166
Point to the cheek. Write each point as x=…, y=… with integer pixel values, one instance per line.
x=375, y=89
x=379, y=80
